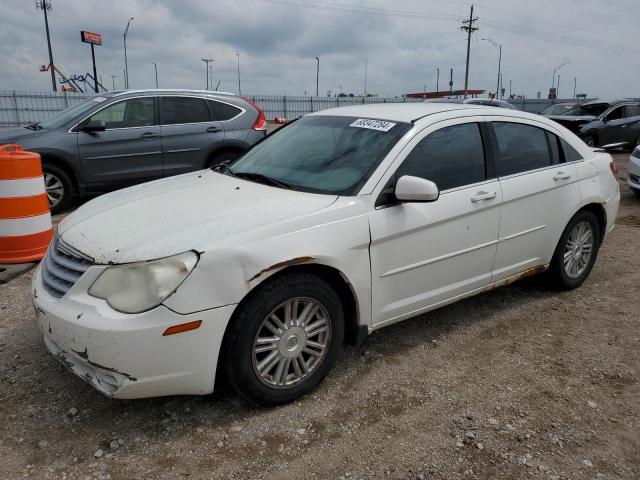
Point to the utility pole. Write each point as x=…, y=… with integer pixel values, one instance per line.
x=469, y=28
x=317, y=75
x=239, y=89
x=366, y=65
x=126, y=66
x=575, y=83
x=113, y=81
x=509, y=89
x=553, y=79
x=558, y=87
x=45, y=5
x=451, y=83
x=155, y=66
x=437, y=79
x=207, y=61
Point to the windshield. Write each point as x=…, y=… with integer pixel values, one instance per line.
x=322, y=154
x=592, y=110
x=68, y=114
x=559, y=109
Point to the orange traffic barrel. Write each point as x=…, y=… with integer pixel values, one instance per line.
x=25, y=220
x=280, y=120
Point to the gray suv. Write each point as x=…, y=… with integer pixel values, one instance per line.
x=119, y=139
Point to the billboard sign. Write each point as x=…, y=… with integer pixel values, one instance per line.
x=89, y=37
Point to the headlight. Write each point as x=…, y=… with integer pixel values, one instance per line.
x=138, y=287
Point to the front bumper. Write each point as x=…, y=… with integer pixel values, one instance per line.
x=126, y=356
x=633, y=179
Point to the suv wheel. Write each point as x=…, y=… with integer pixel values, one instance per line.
x=576, y=251
x=58, y=186
x=283, y=340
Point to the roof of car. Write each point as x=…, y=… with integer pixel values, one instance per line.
x=410, y=112
x=174, y=90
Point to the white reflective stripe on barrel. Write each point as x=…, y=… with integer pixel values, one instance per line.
x=25, y=226
x=25, y=187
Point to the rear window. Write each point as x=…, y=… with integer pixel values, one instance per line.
x=176, y=110
x=520, y=148
x=223, y=111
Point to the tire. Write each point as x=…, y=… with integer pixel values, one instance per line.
x=249, y=372
x=222, y=158
x=591, y=140
x=58, y=186
x=570, y=272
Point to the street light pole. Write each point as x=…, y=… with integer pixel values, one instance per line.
x=155, y=66
x=437, y=79
x=575, y=83
x=126, y=66
x=553, y=80
x=317, y=75
x=113, y=81
x=239, y=88
x=497, y=46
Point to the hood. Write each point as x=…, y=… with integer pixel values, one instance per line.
x=15, y=135
x=572, y=118
x=173, y=215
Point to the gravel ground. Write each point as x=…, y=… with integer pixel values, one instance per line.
x=515, y=383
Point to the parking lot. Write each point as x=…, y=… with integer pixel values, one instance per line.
x=521, y=381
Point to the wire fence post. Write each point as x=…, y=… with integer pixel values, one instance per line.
x=66, y=100
x=15, y=103
x=311, y=100
x=284, y=105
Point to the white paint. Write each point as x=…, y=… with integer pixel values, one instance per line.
x=24, y=187
x=399, y=260
x=25, y=226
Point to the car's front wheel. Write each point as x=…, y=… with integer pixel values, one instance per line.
x=591, y=140
x=283, y=340
x=576, y=251
x=58, y=186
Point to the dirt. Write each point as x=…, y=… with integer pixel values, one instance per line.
x=518, y=382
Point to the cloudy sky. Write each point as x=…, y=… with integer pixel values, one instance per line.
x=404, y=41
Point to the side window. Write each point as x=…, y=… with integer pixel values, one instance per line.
x=570, y=154
x=223, y=111
x=175, y=110
x=136, y=112
x=616, y=114
x=520, y=148
x=450, y=157
x=631, y=110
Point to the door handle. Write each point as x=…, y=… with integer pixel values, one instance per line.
x=214, y=129
x=483, y=196
x=149, y=135
x=561, y=176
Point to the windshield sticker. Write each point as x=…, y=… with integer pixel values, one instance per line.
x=99, y=99
x=379, y=125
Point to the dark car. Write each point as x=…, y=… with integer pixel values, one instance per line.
x=618, y=126
x=558, y=109
x=123, y=138
x=580, y=114
x=489, y=102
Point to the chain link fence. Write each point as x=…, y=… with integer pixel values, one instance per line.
x=21, y=108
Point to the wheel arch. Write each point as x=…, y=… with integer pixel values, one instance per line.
x=60, y=161
x=224, y=147
x=601, y=215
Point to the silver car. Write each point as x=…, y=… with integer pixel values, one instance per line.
x=634, y=171
x=117, y=139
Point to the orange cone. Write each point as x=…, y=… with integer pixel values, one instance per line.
x=25, y=220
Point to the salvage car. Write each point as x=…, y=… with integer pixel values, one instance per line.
x=334, y=226
x=581, y=114
x=633, y=178
x=618, y=126
x=558, y=108
x=118, y=139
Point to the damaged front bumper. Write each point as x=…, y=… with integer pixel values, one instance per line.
x=127, y=356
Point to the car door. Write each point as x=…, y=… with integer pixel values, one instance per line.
x=610, y=129
x=128, y=151
x=188, y=132
x=425, y=254
x=630, y=126
x=540, y=193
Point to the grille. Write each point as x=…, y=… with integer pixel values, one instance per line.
x=62, y=267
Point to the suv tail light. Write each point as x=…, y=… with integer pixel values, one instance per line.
x=614, y=169
x=261, y=121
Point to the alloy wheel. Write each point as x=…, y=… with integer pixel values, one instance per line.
x=578, y=250
x=291, y=342
x=54, y=188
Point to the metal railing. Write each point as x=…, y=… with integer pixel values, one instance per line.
x=21, y=108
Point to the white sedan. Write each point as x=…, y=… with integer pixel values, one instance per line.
x=340, y=223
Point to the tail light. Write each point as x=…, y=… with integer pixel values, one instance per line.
x=261, y=121
x=614, y=169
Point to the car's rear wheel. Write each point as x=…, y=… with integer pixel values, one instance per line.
x=283, y=340
x=576, y=251
x=58, y=186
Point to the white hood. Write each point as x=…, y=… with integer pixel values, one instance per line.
x=187, y=212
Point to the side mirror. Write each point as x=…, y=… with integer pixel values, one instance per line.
x=94, y=126
x=415, y=189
